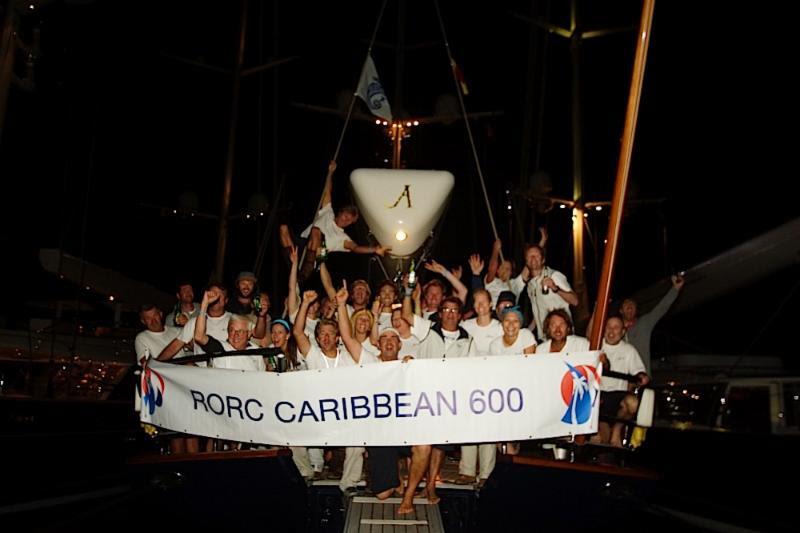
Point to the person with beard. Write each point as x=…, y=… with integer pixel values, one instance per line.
x=439, y=340
x=244, y=293
x=547, y=288
x=560, y=334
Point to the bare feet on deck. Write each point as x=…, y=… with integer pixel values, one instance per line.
x=395, y=491
x=406, y=507
x=430, y=492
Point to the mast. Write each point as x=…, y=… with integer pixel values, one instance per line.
x=623, y=171
x=578, y=264
x=7, y=53
x=222, y=232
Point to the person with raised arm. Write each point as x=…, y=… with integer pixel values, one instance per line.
x=216, y=325
x=384, y=478
x=313, y=313
x=331, y=228
x=640, y=328
x=434, y=291
x=325, y=354
x=240, y=330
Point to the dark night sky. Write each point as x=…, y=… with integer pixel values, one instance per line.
x=112, y=108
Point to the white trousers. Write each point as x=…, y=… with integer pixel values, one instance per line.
x=317, y=458
x=302, y=461
x=352, y=468
x=469, y=456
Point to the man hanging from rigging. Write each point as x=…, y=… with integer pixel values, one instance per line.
x=331, y=228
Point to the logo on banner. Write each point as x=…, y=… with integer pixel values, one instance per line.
x=152, y=389
x=580, y=388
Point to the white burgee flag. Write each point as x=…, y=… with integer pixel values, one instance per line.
x=371, y=91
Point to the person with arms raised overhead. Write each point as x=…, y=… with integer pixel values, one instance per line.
x=330, y=229
x=640, y=328
x=435, y=291
x=327, y=355
x=498, y=276
x=384, y=478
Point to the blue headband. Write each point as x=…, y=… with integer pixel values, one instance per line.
x=515, y=309
x=283, y=323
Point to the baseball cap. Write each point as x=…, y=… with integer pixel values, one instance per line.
x=507, y=296
x=389, y=329
x=246, y=275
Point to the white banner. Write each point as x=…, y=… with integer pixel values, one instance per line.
x=476, y=399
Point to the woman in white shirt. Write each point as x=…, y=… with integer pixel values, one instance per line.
x=515, y=339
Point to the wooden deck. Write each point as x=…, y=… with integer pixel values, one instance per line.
x=371, y=515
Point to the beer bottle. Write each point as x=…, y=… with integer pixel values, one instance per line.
x=412, y=276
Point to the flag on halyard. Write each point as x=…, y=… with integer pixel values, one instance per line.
x=371, y=91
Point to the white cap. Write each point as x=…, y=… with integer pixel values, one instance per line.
x=388, y=329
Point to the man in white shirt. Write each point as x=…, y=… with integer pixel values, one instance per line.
x=332, y=227
x=615, y=399
x=547, y=288
x=559, y=333
x=383, y=459
x=185, y=307
x=240, y=330
x=439, y=340
x=327, y=355
x=216, y=325
x=156, y=336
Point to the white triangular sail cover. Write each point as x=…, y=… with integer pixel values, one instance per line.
x=401, y=206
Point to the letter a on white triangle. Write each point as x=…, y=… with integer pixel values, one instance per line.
x=401, y=206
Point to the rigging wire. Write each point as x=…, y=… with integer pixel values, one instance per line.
x=463, y=108
x=84, y=231
x=348, y=116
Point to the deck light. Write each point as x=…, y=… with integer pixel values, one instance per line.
x=400, y=235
